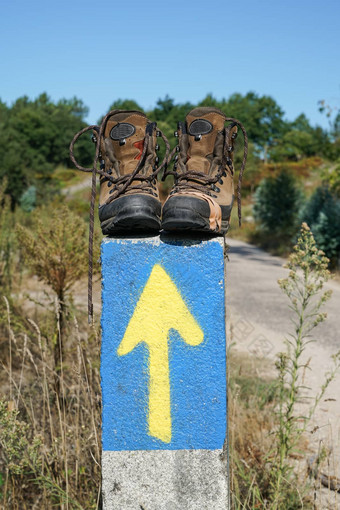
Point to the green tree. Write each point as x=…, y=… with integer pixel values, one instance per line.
x=125, y=104
x=35, y=139
x=276, y=207
x=322, y=213
x=301, y=140
x=167, y=111
x=261, y=115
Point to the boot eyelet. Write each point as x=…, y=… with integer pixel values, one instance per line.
x=220, y=181
x=176, y=159
x=158, y=133
x=122, y=141
x=157, y=147
x=198, y=138
x=109, y=184
x=156, y=160
x=178, y=149
x=176, y=134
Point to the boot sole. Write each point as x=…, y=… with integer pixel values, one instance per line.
x=131, y=213
x=180, y=218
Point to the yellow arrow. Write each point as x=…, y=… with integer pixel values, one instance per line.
x=159, y=309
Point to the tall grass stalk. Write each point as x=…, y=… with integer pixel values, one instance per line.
x=304, y=288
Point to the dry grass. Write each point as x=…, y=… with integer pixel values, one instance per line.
x=50, y=446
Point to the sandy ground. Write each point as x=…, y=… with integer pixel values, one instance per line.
x=258, y=322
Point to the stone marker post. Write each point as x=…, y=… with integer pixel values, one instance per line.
x=163, y=369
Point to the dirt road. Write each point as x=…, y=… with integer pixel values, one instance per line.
x=255, y=295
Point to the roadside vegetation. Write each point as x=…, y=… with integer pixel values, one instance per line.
x=50, y=402
x=267, y=431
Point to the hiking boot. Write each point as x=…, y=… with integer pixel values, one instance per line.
x=203, y=192
x=129, y=197
x=126, y=149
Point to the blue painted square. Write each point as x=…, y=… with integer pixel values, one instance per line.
x=197, y=373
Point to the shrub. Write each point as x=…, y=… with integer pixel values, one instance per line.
x=7, y=241
x=28, y=199
x=276, y=207
x=57, y=253
x=322, y=213
x=331, y=177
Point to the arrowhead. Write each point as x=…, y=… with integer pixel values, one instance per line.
x=159, y=309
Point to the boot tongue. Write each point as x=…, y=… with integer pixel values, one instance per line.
x=203, y=126
x=126, y=132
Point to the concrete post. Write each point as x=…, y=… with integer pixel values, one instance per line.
x=163, y=369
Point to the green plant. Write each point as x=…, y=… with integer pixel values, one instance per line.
x=20, y=451
x=1, y=484
x=331, y=177
x=35, y=137
x=276, y=206
x=7, y=240
x=307, y=274
x=28, y=199
x=322, y=213
x=56, y=251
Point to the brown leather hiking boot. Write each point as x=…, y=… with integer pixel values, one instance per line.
x=129, y=201
x=126, y=150
x=203, y=193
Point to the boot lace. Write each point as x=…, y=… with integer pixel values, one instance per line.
x=198, y=181
x=121, y=184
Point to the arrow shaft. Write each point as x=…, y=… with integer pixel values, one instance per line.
x=159, y=309
x=159, y=418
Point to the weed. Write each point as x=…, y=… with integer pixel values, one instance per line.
x=308, y=273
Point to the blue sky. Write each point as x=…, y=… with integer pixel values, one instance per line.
x=143, y=50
